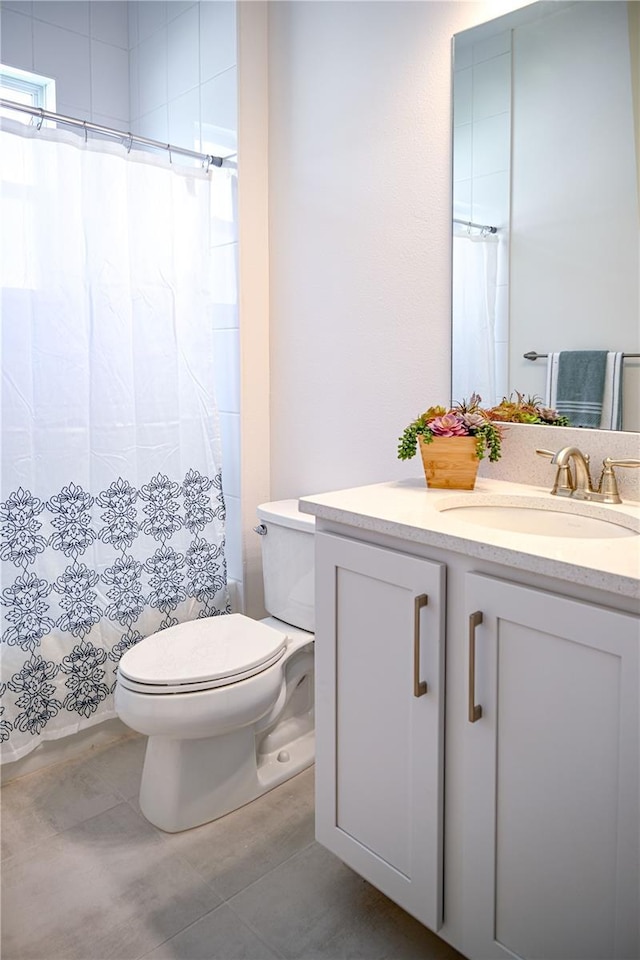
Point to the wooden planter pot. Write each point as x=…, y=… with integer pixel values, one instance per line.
x=450, y=463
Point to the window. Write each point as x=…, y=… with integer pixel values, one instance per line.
x=28, y=88
x=17, y=196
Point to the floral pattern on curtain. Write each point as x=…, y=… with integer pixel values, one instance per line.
x=112, y=508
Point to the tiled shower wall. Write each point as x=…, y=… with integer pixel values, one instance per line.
x=163, y=70
x=83, y=46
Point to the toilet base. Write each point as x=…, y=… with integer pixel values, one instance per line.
x=180, y=790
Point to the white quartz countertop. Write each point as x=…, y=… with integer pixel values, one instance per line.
x=408, y=510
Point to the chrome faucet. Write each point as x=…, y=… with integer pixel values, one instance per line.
x=577, y=483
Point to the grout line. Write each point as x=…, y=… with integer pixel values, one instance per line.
x=35, y=848
x=177, y=933
x=269, y=872
x=207, y=914
x=220, y=73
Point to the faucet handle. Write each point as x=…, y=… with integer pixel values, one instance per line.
x=564, y=484
x=608, y=487
x=608, y=462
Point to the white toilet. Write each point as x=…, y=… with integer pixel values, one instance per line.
x=227, y=702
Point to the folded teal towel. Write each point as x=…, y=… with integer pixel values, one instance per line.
x=580, y=390
x=612, y=396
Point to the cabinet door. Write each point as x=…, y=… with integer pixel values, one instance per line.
x=551, y=824
x=379, y=718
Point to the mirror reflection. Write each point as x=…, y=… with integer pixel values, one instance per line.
x=546, y=252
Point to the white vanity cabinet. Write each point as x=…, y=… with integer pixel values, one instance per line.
x=528, y=847
x=379, y=718
x=551, y=819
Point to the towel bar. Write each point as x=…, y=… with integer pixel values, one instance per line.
x=532, y=355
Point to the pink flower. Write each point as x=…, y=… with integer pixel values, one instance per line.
x=450, y=425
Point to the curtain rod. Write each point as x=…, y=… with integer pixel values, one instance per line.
x=476, y=226
x=532, y=355
x=127, y=138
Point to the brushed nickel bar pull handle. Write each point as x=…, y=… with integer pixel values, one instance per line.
x=419, y=686
x=475, y=710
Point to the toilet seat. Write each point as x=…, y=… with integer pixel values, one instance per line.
x=201, y=655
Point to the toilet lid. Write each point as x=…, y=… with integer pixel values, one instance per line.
x=211, y=651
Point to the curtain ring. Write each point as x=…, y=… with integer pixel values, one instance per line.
x=84, y=126
x=206, y=163
x=169, y=149
x=40, y=119
x=130, y=144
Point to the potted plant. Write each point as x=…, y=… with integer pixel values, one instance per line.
x=452, y=441
x=531, y=409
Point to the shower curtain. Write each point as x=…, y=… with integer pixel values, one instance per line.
x=474, y=317
x=112, y=512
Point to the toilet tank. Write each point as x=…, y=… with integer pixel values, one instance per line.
x=288, y=563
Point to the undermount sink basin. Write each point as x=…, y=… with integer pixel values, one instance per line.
x=538, y=517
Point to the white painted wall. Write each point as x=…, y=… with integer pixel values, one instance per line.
x=360, y=208
x=253, y=226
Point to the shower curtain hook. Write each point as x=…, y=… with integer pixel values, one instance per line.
x=169, y=149
x=40, y=119
x=206, y=163
x=130, y=144
x=84, y=125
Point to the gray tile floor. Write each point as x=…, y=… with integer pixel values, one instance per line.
x=86, y=877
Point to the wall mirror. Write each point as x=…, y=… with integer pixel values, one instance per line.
x=546, y=180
